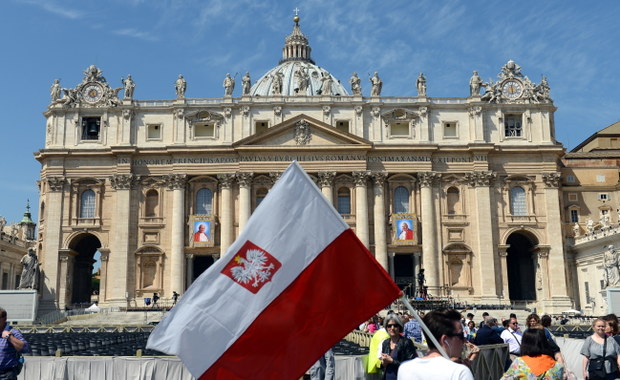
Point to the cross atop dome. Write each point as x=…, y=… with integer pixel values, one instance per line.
x=296, y=46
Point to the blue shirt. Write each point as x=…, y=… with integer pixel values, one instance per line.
x=413, y=330
x=8, y=354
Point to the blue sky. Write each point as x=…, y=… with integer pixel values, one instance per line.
x=574, y=43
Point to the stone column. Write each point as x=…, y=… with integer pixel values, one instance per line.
x=542, y=271
x=53, y=196
x=176, y=183
x=119, y=244
x=104, y=255
x=430, y=253
x=245, y=198
x=416, y=270
x=189, y=266
x=380, y=221
x=326, y=180
x=390, y=268
x=557, y=283
x=503, y=264
x=226, y=218
x=65, y=272
x=485, y=235
x=361, y=207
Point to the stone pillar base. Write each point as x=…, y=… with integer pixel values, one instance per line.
x=555, y=305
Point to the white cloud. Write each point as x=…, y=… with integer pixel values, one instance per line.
x=56, y=9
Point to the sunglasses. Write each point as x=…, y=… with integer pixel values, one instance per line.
x=460, y=336
x=391, y=325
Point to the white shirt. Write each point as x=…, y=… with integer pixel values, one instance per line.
x=433, y=368
x=513, y=339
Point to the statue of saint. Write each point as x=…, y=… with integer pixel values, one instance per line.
x=377, y=84
x=276, y=85
x=590, y=226
x=610, y=261
x=30, y=272
x=475, y=82
x=303, y=79
x=2, y=224
x=229, y=85
x=356, y=85
x=180, y=86
x=129, y=85
x=576, y=230
x=604, y=219
x=246, y=84
x=326, y=83
x=55, y=91
x=421, y=85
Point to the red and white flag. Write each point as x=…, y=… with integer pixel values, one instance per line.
x=294, y=283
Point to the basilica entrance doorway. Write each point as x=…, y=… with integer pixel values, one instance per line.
x=201, y=264
x=85, y=245
x=521, y=265
x=403, y=273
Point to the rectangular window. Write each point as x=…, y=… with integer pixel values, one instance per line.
x=342, y=125
x=572, y=197
x=586, y=287
x=204, y=130
x=261, y=126
x=603, y=197
x=153, y=132
x=399, y=129
x=574, y=216
x=570, y=179
x=90, y=128
x=512, y=126
x=449, y=129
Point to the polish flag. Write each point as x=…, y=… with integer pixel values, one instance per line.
x=294, y=283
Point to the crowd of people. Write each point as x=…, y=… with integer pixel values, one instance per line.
x=534, y=353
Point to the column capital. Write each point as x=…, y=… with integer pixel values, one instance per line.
x=189, y=256
x=326, y=179
x=480, y=178
x=175, y=181
x=275, y=176
x=551, y=179
x=245, y=179
x=379, y=177
x=360, y=177
x=55, y=183
x=427, y=179
x=105, y=253
x=474, y=111
x=542, y=251
x=122, y=181
x=226, y=180
x=502, y=250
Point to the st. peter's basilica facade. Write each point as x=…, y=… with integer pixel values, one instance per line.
x=465, y=188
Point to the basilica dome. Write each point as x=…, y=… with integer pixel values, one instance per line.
x=297, y=74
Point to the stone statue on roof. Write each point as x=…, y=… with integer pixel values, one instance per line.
x=326, y=83
x=55, y=91
x=180, y=86
x=356, y=85
x=421, y=85
x=29, y=278
x=376, y=84
x=129, y=86
x=276, y=85
x=246, y=84
x=475, y=82
x=229, y=85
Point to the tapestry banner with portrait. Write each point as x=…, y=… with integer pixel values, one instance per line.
x=404, y=229
x=201, y=231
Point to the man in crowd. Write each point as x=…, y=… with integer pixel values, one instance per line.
x=413, y=330
x=446, y=327
x=11, y=343
x=487, y=333
x=512, y=337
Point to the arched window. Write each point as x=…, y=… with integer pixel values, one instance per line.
x=260, y=195
x=87, y=204
x=518, y=204
x=151, y=203
x=453, y=200
x=401, y=200
x=344, y=200
x=204, y=202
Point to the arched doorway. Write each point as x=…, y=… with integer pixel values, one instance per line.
x=85, y=245
x=521, y=262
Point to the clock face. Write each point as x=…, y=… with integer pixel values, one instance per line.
x=92, y=93
x=512, y=89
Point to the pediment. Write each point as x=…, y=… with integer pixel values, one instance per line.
x=302, y=132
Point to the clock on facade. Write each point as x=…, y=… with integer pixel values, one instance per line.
x=512, y=89
x=92, y=92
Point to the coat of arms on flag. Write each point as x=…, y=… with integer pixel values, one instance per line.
x=251, y=267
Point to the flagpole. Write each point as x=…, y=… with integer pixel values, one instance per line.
x=427, y=332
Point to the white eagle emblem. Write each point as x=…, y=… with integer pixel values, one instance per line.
x=253, y=267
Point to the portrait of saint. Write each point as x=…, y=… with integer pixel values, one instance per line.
x=202, y=230
x=405, y=229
